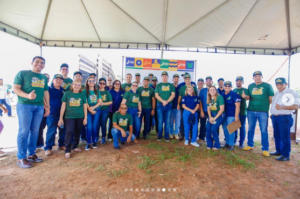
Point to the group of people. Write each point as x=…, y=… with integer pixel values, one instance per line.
x=80, y=110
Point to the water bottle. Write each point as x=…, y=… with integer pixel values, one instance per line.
x=62, y=126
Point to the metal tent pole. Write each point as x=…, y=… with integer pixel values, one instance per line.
x=289, y=71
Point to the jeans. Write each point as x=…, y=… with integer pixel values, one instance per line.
x=188, y=126
x=51, y=131
x=163, y=114
x=154, y=117
x=203, y=126
x=136, y=121
x=212, y=131
x=8, y=107
x=30, y=117
x=146, y=114
x=73, y=127
x=262, y=118
x=118, y=135
x=229, y=138
x=62, y=135
x=282, y=130
x=40, y=141
x=110, y=116
x=92, y=130
x=103, y=123
x=175, y=117
x=242, y=130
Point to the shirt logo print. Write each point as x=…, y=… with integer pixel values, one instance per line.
x=135, y=99
x=165, y=88
x=123, y=122
x=93, y=98
x=36, y=82
x=257, y=91
x=146, y=93
x=103, y=98
x=75, y=102
x=127, y=88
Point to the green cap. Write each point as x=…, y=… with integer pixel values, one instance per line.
x=239, y=78
x=221, y=79
x=146, y=78
x=137, y=74
x=228, y=83
x=208, y=77
x=154, y=79
x=175, y=75
x=187, y=75
x=77, y=72
x=150, y=74
x=64, y=65
x=58, y=76
x=257, y=73
x=280, y=80
x=92, y=74
x=200, y=79
x=165, y=73
x=102, y=79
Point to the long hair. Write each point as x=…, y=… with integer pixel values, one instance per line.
x=209, y=95
x=71, y=86
x=113, y=85
x=188, y=88
x=87, y=88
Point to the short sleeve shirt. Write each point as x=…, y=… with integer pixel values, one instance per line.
x=74, y=104
x=243, y=107
x=164, y=90
x=92, y=99
x=106, y=97
x=230, y=99
x=126, y=87
x=259, y=97
x=132, y=99
x=215, y=104
x=66, y=83
x=190, y=101
x=124, y=121
x=146, y=96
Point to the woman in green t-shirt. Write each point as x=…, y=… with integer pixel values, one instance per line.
x=94, y=101
x=74, y=107
x=215, y=109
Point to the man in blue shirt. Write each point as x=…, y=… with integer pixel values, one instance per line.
x=175, y=113
x=221, y=89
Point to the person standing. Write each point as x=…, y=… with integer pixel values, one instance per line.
x=64, y=71
x=74, y=109
x=4, y=93
x=154, y=120
x=76, y=76
x=148, y=105
x=127, y=86
x=221, y=89
x=164, y=93
x=138, y=79
x=200, y=85
x=150, y=77
x=4, y=110
x=260, y=94
x=109, y=83
x=243, y=109
x=284, y=103
x=33, y=97
x=56, y=93
x=175, y=117
x=183, y=83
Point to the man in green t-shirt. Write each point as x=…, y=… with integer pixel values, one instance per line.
x=33, y=97
x=260, y=96
x=64, y=71
x=122, y=127
x=244, y=94
x=164, y=93
x=127, y=86
x=148, y=105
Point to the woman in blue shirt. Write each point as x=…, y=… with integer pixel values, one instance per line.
x=232, y=110
x=190, y=104
x=117, y=94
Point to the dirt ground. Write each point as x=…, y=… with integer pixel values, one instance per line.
x=154, y=169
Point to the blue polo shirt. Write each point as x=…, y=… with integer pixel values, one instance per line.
x=175, y=100
x=117, y=98
x=190, y=101
x=221, y=92
x=55, y=100
x=152, y=86
x=203, y=98
x=183, y=84
x=229, y=100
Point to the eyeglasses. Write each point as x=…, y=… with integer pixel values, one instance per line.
x=101, y=83
x=91, y=81
x=77, y=84
x=134, y=85
x=109, y=80
x=117, y=83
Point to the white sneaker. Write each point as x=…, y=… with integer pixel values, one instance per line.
x=176, y=137
x=195, y=144
x=109, y=140
x=172, y=136
x=186, y=142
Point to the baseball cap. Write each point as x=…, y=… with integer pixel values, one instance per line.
x=77, y=72
x=239, y=78
x=57, y=76
x=228, y=83
x=257, y=73
x=165, y=73
x=280, y=80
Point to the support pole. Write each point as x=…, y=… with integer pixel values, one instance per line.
x=41, y=50
x=122, y=69
x=289, y=71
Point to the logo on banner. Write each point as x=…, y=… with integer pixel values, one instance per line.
x=156, y=63
x=138, y=62
x=164, y=64
x=190, y=65
x=173, y=65
x=147, y=63
x=129, y=62
x=181, y=65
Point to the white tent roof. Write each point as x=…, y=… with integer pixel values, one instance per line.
x=218, y=24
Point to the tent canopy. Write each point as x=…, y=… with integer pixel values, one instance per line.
x=242, y=26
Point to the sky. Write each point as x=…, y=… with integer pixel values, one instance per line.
x=16, y=54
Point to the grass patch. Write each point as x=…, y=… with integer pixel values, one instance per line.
x=155, y=145
x=146, y=162
x=100, y=168
x=234, y=160
x=116, y=173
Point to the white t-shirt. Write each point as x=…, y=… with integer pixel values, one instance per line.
x=3, y=92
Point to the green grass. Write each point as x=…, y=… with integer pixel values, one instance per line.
x=100, y=168
x=146, y=162
x=155, y=145
x=116, y=173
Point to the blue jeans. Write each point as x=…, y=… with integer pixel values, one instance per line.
x=163, y=114
x=118, y=135
x=136, y=121
x=242, y=130
x=187, y=126
x=203, y=126
x=30, y=117
x=212, y=131
x=40, y=140
x=146, y=113
x=175, y=117
x=282, y=130
x=262, y=118
x=8, y=107
x=92, y=130
x=103, y=123
x=229, y=138
x=51, y=131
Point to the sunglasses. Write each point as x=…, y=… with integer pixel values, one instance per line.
x=101, y=83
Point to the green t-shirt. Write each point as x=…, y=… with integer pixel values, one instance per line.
x=92, y=99
x=30, y=81
x=215, y=104
x=74, y=104
x=69, y=87
x=243, y=107
x=66, y=83
x=106, y=97
x=164, y=90
x=132, y=98
x=146, y=96
x=124, y=121
x=126, y=87
x=183, y=88
x=259, y=97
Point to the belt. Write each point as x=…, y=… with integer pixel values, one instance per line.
x=281, y=115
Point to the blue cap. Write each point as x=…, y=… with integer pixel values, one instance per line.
x=58, y=76
x=64, y=65
x=208, y=77
x=187, y=75
x=200, y=79
x=175, y=75
x=77, y=72
x=154, y=79
x=228, y=83
x=192, y=119
x=257, y=73
x=239, y=78
x=221, y=79
x=280, y=80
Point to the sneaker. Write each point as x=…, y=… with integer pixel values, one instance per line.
x=48, y=152
x=117, y=147
x=176, y=137
x=248, y=148
x=172, y=136
x=103, y=141
x=159, y=139
x=109, y=139
x=87, y=147
x=34, y=158
x=77, y=149
x=215, y=149
x=95, y=146
x=167, y=140
x=208, y=148
x=241, y=146
x=67, y=155
x=186, y=142
x=195, y=144
x=266, y=153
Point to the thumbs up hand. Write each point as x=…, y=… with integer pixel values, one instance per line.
x=31, y=95
x=244, y=95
